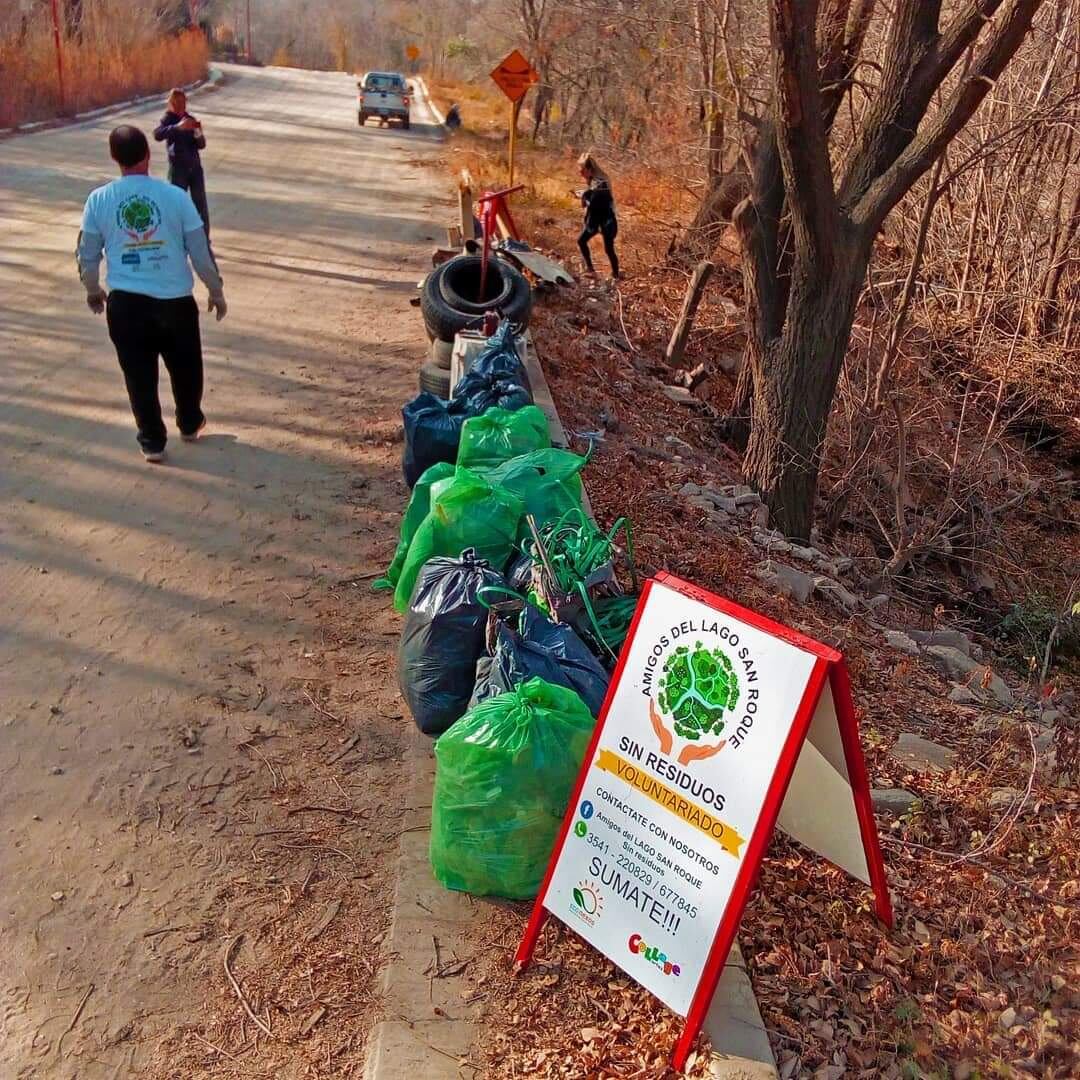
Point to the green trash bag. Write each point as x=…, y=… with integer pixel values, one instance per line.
x=415, y=512
x=499, y=434
x=466, y=512
x=548, y=481
x=503, y=777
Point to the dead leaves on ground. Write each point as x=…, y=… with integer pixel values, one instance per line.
x=979, y=978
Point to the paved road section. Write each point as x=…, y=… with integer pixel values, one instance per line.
x=162, y=626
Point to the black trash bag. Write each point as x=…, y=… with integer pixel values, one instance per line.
x=432, y=434
x=443, y=638
x=478, y=393
x=539, y=647
x=499, y=360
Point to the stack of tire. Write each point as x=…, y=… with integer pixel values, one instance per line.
x=450, y=301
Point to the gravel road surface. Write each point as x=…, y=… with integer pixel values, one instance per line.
x=200, y=736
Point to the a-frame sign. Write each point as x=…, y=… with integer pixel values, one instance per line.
x=719, y=725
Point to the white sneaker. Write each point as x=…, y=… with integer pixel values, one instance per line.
x=193, y=436
x=155, y=457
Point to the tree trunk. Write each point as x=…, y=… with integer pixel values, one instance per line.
x=795, y=378
x=734, y=428
x=714, y=211
x=714, y=131
x=766, y=277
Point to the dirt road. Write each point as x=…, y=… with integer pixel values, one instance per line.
x=200, y=735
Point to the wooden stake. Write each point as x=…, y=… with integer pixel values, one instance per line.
x=677, y=345
x=514, y=107
x=465, y=205
x=59, y=57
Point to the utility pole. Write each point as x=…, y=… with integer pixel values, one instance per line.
x=59, y=56
x=247, y=36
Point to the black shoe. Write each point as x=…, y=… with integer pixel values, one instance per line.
x=193, y=436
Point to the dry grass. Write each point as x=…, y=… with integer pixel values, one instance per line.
x=98, y=70
x=550, y=174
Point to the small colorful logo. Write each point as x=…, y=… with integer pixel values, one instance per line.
x=581, y=829
x=139, y=217
x=653, y=954
x=696, y=687
x=586, y=809
x=588, y=903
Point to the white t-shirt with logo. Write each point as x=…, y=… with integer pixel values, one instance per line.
x=142, y=222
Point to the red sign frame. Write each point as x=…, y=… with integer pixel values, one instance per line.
x=829, y=668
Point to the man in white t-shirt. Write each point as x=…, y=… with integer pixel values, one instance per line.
x=148, y=231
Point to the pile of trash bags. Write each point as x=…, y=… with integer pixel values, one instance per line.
x=496, y=379
x=466, y=512
x=489, y=663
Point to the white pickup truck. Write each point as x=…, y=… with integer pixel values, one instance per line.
x=383, y=95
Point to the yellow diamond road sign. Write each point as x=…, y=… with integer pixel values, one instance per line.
x=514, y=76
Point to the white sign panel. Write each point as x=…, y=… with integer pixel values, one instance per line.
x=690, y=744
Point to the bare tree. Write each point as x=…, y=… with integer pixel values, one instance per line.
x=807, y=234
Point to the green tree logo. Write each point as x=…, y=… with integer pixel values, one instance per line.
x=138, y=214
x=697, y=686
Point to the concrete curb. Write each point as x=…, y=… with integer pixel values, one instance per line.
x=427, y=1028
x=435, y=111
x=214, y=79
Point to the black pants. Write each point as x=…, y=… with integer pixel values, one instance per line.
x=143, y=328
x=608, y=232
x=194, y=183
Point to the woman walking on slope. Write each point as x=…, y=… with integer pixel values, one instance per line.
x=600, y=217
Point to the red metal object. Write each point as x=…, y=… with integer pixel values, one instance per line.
x=59, y=55
x=751, y=867
x=493, y=205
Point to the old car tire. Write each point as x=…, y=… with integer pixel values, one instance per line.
x=440, y=319
x=441, y=352
x=435, y=380
x=518, y=307
x=460, y=284
x=445, y=319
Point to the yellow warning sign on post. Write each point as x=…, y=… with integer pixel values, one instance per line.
x=514, y=76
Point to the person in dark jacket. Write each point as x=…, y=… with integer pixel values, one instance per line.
x=183, y=135
x=600, y=217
